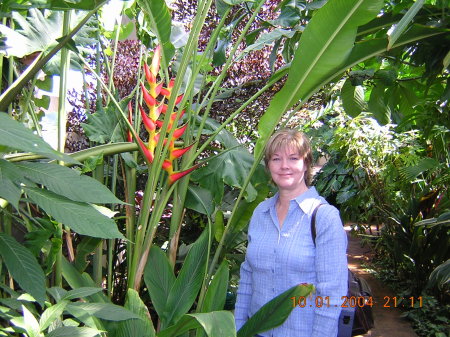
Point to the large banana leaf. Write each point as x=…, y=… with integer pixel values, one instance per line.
x=324, y=46
x=160, y=21
x=275, y=312
x=231, y=168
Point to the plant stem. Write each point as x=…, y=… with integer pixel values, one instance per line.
x=62, y=119
x=97, y=274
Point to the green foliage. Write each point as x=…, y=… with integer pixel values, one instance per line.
x=431, y=319
x=323, y=49
x=23, y=267
x=374, y=167
x=15, y=136
x=265, y=318
x=137, y=327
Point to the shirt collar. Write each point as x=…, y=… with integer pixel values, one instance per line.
x=306, y=201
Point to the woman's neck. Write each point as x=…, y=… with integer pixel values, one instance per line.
x=285, y=196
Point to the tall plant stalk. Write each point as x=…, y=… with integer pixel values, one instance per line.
x=61, y=129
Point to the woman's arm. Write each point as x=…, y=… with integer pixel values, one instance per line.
x=243, y=295
x=331, y=270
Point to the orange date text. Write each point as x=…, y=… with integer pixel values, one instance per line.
x=324, y=301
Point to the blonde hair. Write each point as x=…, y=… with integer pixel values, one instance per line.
x=290, y=138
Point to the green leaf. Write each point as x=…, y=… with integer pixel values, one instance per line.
x=107, y=311
x=161, y=25
x=73, y=331
x=187, y=285
x=410, y=173
x=404, y=22
x=142, y=327
x=68, y=182
x=10, y=179
x=16, y=136
x=40, y=31
x=51, y=314
x=440, y=276
x=353, y=99
x=343, y=196
x=324, y=46
x=159, y=278
x=80, y=217
x=31, y=324
x=275, y=312
x=23, y=267
x=199, y=199
x=378, y=106
x=268, y=39
x=84, y=248
x=216, y=323
x=126, y=30
x=81, y=293
x=77, y=280
x=217, y=290
x=231, y=168
x=101, y=125
x=245, y=209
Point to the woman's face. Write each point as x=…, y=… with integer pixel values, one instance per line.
x=288, y=169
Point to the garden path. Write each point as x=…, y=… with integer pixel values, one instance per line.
x=388, y=322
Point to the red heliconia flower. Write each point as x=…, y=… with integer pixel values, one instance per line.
x=149, y=99
x=148, y=154
x=151, y=121
x=179, y=98
x=178, y=175
x=180, y=131
x=167, y=91
x=148, y=122
x=154, y=68
x=148, y=74
x=177, y=153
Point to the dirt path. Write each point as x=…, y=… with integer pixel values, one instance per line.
x=388, y=322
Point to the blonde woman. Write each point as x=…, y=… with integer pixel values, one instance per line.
x=281, y=252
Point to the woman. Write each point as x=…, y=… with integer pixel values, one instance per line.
x=281, y=252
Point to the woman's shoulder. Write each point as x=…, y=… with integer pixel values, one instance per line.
x=265, y=204
x=328, y=214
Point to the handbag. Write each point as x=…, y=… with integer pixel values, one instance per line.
x=356, y=315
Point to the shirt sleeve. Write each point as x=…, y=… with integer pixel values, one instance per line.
x=331, y=270
x=244, y=292
x=245, y=288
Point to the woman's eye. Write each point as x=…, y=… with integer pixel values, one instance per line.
x=275, y=159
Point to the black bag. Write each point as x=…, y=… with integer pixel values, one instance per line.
x=356, y=316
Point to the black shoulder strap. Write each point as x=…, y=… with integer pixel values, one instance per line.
x=313, y=223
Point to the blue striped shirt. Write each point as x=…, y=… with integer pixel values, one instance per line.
x=278, y=259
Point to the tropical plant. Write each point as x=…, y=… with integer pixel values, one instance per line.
x=184, y=296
